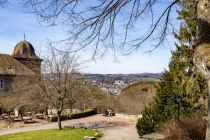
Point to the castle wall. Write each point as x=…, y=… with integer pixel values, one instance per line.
x=7, y=81
x=12, y=80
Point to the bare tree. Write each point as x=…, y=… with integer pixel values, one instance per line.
x=19, y=94
x=89, y=96
x=106, y=24
x=3, y=3
x=57, y=83
x=96, y=24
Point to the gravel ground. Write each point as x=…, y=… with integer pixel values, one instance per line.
x=112, y=128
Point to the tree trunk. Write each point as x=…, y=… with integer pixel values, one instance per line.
x=46, y=111
x=59, y=120
x=208, y=118
x=9, y=118
x=201, y=55
x=71, y=109
x=201, y=60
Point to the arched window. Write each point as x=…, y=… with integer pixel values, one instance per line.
x=1, y=84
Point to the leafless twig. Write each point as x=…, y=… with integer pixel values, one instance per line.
x=104, y=25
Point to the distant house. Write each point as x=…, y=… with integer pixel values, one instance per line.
x=119, y=82
x=23, y=62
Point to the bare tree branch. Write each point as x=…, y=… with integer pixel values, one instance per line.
x=104, y=25
x=56, y=87
x=3, y=3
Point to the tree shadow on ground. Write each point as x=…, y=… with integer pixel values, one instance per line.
x=97, y=125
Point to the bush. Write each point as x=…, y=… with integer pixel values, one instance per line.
x=164, y=107
x=55, y=118
x=154, y=116
x=185, y=129
x=86, y=113
x=150, y=121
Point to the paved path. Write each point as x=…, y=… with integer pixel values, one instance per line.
x=120, y=133
x=112, y=128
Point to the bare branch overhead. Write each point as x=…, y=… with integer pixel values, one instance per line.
x=104, y=25
x=3, y=3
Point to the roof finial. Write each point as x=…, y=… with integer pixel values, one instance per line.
x=24, y=36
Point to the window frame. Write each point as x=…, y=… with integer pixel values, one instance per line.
x=2, y=84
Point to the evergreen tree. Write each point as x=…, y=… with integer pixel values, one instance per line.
x=180, y=80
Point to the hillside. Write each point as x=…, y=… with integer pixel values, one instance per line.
x=115, y=83
x=127, y=78
x=136, y=97
x=143, y=86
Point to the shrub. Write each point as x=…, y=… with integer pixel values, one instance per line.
x=85, y=113
x=164, y=106
x=151, y=119
x=185, y=129
x=55, y=118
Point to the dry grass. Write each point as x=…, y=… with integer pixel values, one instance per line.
x=135, y=98
x=185, y=129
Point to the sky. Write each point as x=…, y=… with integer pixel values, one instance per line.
x=15, y=23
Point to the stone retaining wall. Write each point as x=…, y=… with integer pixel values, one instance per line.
x=128, y=117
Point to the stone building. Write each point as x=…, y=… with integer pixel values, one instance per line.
x=23, y=62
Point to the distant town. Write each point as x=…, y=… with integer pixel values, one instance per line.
x=115, y=83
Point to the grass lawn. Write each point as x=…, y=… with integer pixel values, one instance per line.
x=65, y=134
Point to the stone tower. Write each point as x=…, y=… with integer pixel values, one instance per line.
x=24, y=52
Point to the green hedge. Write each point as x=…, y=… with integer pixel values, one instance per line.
x=54, y=118
x=86, y=113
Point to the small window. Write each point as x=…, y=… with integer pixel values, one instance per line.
x=9, y=66
x=1, y=84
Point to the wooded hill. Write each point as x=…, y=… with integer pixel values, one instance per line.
x=128, y=78
x=136, y=97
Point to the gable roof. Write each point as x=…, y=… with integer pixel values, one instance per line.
x=10, y=66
